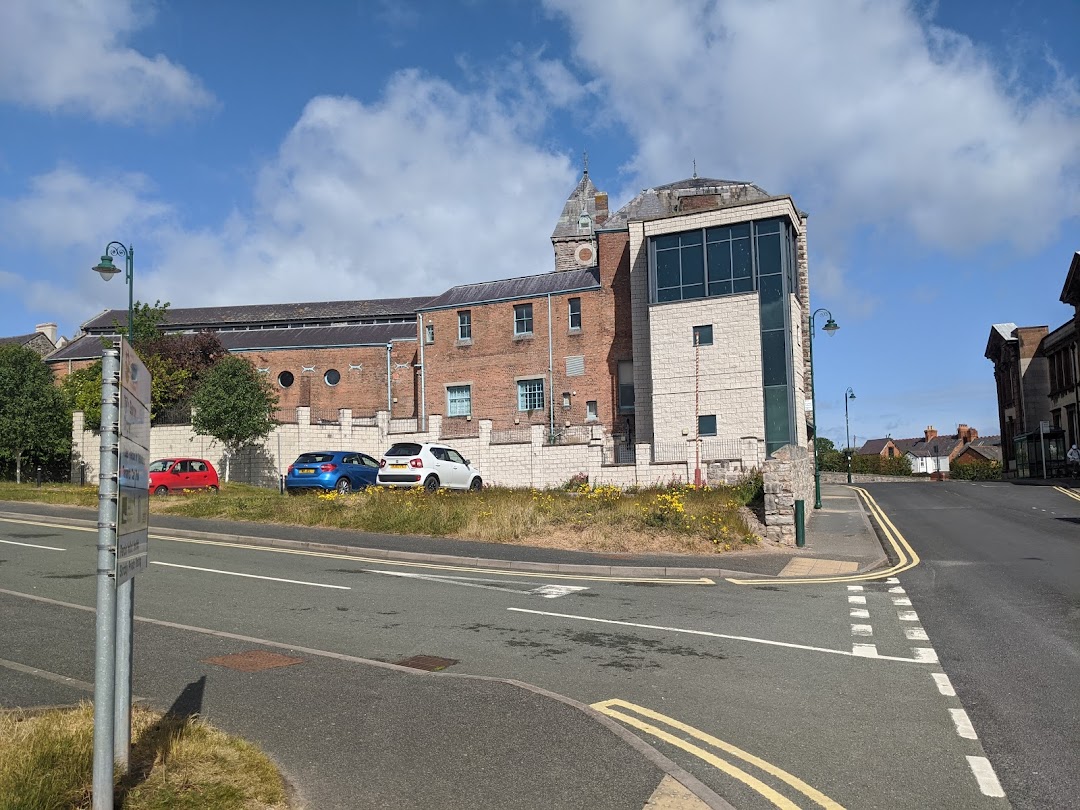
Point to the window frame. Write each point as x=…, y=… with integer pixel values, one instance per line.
x=571, y=314
x=700, y=331
x=450, y=401
x=464, y=325
x=429, y=333
x=704, y=434
x=527, y=396
x=523, y=315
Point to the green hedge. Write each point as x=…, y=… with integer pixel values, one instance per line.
x=976, y=471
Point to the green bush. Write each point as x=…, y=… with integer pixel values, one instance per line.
x=976, y=471
x=879, y=465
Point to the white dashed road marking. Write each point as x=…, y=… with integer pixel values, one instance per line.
x=985, y=776
x=860, y=613
x=855, y=587
x=916, y=634
x=963, y=724
x=944, y=685
x=856, y=600
x=925, y=654
x=901, y=601
x=864, y=650
x=862, y=630
x=907, y=615
x=31, y=545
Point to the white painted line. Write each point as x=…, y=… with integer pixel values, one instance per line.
x=253, y=576
x=856, y=600
x=907, y=615
x=555, y=591
x=925, y=655
x=446, y=580
x=862, y=630
x=963, y=724
x=944, y=685
x=31, y=545
x=860, y=613
x=985, y=776
x=855, y=587
x=897, y=589
x=864, y=650
x=901, y=601
x=716, y=635
x=916, y=634
x=892, y=581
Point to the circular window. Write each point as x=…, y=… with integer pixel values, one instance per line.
x=285, y=379
x=332, y=377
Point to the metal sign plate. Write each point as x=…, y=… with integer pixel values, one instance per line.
x=133, y=510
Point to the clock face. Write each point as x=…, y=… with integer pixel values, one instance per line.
x=584, y=254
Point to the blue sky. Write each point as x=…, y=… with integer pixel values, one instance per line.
x=272, y=151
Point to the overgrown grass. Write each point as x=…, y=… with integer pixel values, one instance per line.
x=177, y=763
x=673, y=519
x=62, y=494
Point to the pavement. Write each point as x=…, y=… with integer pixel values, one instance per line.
x=482, y=735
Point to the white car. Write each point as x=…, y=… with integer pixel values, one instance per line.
x=409, y=464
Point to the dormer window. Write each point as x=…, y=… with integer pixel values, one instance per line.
x=584, y=221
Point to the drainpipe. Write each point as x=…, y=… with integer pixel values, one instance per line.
x=551, y=378
x=389, y=391
x=423, y=371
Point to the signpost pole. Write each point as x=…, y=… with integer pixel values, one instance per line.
x=105, y=628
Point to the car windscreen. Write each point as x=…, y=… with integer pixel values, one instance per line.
x=403, y=449
x=314, y=458
x=162, y=465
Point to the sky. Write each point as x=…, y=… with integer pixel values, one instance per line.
x=264, y=151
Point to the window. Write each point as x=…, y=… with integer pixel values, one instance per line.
x=575, y=313
x=530, y=395
x=523, y=319
x=706, y=425
x=591, y=411
x=455, y=457
x=566, y=400
x=626, y=386
x=285, y=379
x=459, y=400
x=464, y=325
x=332, y=377
x=703, y=335
x=429, y=333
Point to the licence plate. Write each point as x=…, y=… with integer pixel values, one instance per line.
x=306, y=471
x=397, y=466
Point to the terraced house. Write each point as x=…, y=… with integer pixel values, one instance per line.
x=677, y=322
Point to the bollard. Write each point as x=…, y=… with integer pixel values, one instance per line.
x=39, y=477
x=800, y=523
x=82, y=474
x=281, y=484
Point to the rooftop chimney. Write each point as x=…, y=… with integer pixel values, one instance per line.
x=48, y=330
x=930, y=433
x=600, y=200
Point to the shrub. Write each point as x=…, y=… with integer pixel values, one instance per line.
x=749, y=488
x=976, y=471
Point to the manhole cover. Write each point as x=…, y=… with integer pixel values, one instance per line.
x=253, y=661
x=429, y=663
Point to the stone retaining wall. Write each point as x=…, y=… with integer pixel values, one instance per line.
x=789, y=476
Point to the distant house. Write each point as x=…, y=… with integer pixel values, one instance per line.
x=985, y=448
x=931, y=453
x=42, y=340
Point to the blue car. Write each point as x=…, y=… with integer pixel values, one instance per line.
x=340, y=470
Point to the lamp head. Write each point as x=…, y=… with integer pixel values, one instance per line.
x=105, y=268
x=850, y=394
x=830, y=327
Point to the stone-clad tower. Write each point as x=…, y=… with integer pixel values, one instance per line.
x=574, y=237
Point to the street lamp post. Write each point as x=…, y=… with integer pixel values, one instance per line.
x=125, y=592
x=848, y=396
x=830, y=328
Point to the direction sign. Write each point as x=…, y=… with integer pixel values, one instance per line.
x=133, y=510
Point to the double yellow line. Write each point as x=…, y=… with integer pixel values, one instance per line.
x=905, y=554
x=632, y=714
x=1069, y=492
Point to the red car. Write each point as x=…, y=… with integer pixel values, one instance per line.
x=177, y=474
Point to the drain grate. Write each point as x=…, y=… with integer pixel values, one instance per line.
x=253, y=661
x=428, y=663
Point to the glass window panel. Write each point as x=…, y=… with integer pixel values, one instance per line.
x=459, y=400
x=741, y=264
x=719, y=261
x=530, y=395
x=774, y=358
x=690, y=238
x=769, y=255
x=777, y=423
x=721, y=234
x=693, y=266
x=693, y=291
x=772, y=302
x=666, y=242
x=667, y=268
x=706, y=425
x=741, y=285
x=669, y=294
x=767, y=226
x=721, y=288
x=575, y=313
x=741, y=230
x=703, y=335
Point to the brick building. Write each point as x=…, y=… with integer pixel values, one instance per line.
x=677, y=321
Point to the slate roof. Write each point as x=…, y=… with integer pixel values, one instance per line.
x=654, y=203
x=873, y=447
x=90, y=347
x=278, y=314
x=19, y=340
x=567, y=226
x=513, y=288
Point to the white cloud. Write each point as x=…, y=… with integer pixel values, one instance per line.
x=861, y=109
x=70, y=55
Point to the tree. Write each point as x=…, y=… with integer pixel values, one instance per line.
x=829, y=458
x=35, y=422
x=82, y=392
x=234, y=404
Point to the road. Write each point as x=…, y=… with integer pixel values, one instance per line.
x=999, y=592
x=768, y=694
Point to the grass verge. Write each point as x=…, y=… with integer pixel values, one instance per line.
x=676, y=519
x=177, y=763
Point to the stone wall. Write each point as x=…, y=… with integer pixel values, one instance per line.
x=789, y=476
x=866, y=478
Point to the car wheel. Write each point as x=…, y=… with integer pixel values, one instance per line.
x=161, y=491
x=476, y=485
x=431, y=483
x=343, y=487
x=213, y=489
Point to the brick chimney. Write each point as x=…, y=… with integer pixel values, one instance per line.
x=930, y=433
x=600, y=200
x=48, y=330
x=966, y=434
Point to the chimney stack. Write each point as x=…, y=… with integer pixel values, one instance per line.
x=600, y=200
x=930, y=433
x=48, y=330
